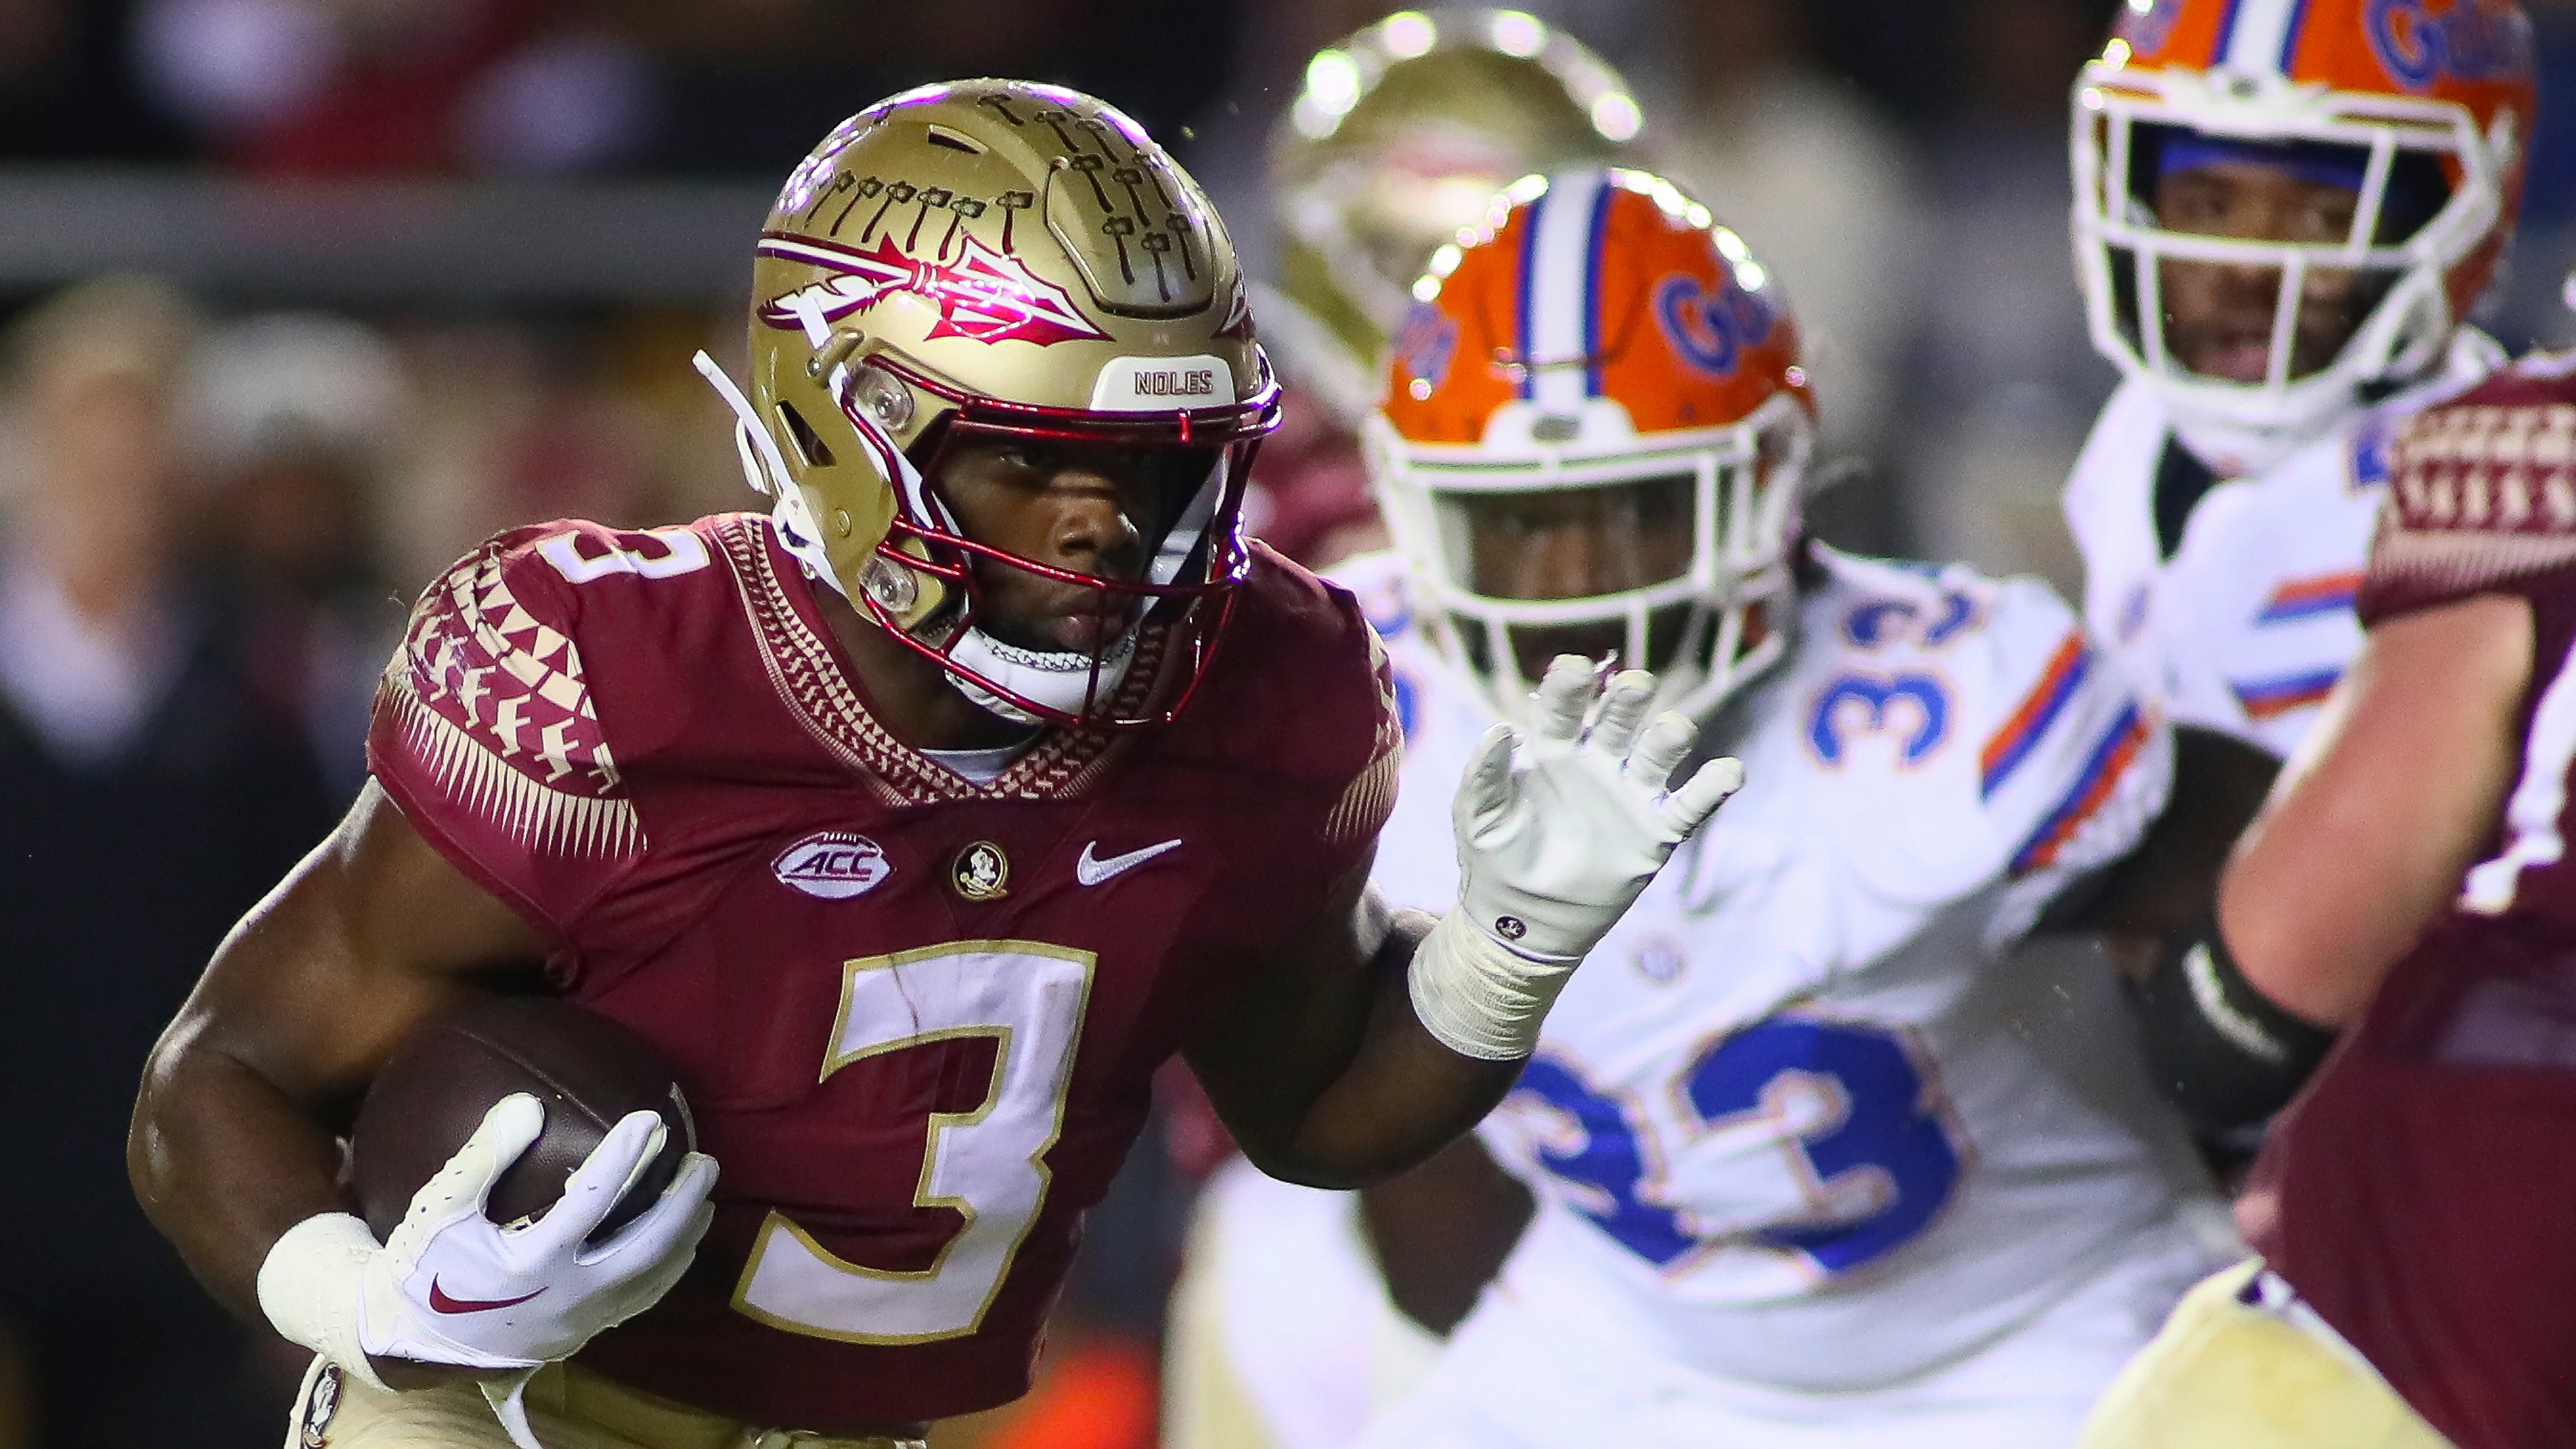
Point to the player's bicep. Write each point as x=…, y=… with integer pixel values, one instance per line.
x=370, y=933
x=1297, y=1017
x=2373, y=826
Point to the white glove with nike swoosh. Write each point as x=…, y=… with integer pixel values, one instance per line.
x=1555, y=839
x=452, y=1287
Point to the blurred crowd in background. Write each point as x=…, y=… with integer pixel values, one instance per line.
x=216, y=500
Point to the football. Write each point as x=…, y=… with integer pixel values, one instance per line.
x=586, y=1070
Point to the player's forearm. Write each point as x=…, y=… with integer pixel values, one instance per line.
x=1441, y=1232
x=1399, y=1096
x=1403, y=1097
x=224, y=1163
x=1323, y=1073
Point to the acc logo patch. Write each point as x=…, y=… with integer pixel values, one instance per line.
x=982, y=294
x=832, y=864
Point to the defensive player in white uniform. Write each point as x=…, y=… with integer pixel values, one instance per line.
x=2284, y=209
x=1281, y=1335
x=1853, y=1180
x=2234, y=154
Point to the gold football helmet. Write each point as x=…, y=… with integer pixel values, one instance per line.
x=999, y=257
x=1400, y=137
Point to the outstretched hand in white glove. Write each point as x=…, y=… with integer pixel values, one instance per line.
x=1558, y=830
x=451, y=1287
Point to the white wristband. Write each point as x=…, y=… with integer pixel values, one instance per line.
x=1479, y=997
x=312, y=1286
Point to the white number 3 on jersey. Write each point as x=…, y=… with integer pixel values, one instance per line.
x=986, y=1163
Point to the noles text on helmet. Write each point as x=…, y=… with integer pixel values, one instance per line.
x=1004, y=390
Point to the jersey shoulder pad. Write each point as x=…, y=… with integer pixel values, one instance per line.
x=1975, y=729
x=1383, y=586
x=486, y=728
x=2483, y=492
x=1302, y=694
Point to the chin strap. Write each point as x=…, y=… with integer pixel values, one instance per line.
x=766, y=471
x=1061, y=680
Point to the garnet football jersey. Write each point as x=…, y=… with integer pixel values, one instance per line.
x=2417, y=1193
x=916, y=1017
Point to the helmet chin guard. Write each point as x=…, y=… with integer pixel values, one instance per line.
x=997, y=258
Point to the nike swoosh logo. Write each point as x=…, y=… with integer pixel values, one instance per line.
x=439, y=1301
x=1091, y=870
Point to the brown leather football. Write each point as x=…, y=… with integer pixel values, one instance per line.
x=586, y=1070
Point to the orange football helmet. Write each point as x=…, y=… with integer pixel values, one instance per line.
x=2425, y=104
x=1600, y=362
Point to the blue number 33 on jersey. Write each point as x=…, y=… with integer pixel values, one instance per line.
x=1881, y=1141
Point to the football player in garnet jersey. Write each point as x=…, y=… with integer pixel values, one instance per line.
x=2284, y=211
x=916, y=823
x=2408, y=885
x=1805, y=1158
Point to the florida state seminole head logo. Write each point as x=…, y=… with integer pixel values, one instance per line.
x=980, y=293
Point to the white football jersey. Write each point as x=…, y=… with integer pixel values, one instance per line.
x=2247, y=627
x=1801, y=1117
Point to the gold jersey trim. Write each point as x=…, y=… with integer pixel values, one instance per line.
x=809, y=679
x=527, y=720
x=2425, y=564
x=539, y=817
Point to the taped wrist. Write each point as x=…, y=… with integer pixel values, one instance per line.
x=1479, y=997
x=312, y=1286
x=2218, y=1048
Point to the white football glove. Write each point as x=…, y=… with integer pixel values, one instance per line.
x=452, y=1287
x=1555, y=838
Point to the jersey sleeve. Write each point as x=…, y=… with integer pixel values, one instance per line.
x=486, y=735
x=1305, y=718
x=1968, y=740
x=2073, y=760
x=1367, y=794
x=2482, y=495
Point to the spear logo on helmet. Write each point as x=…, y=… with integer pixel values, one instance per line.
x=982, y=294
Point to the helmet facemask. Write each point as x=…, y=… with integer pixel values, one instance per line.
x=1671, y=552
x=1190, y=554
x=2346, y=314
x=930, y=581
